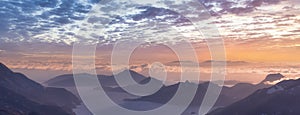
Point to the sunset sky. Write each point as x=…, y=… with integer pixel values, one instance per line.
x=260, y=36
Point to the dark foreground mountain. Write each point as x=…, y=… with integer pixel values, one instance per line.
x=12, y=103
x=33, y=94
x=280, y=99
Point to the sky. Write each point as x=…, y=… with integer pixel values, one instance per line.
x=260, y=36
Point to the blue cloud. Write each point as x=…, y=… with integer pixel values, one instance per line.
x=27, y=20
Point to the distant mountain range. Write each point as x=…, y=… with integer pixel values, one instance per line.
x=207, y=63
x=106, y=81
x=22, y=95
x=228, y=96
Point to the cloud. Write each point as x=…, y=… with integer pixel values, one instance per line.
x=58, y=21
x=23, y=19
x=295, y=31
x=280, y=80
x=1, y=51
x=236, y=6
x=206, y=63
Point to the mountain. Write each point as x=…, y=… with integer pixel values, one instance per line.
x=207, y=63
x=245, y=89
x=167, y=92
x=12, y=103
x=148, y=79
x=63, y=81
x=142, y=82
x=228, y=95
x=106, y=81
x=33, y=91
x=280, y=99
x=228, y=63
x=273, y=77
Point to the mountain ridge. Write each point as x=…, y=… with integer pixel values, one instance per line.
x=33, y=91
x=67, y=80
x=280, y=99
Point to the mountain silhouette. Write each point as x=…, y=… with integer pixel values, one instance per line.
x=227, y=96
x=280, y=99
x=35, y=92
x=273, y=77
x=106, y=81
x=242, y=90
x=12, y=103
